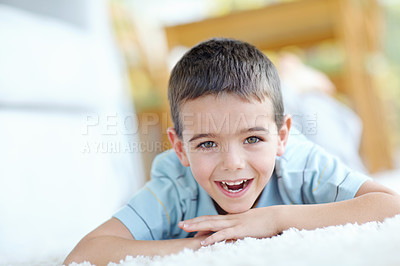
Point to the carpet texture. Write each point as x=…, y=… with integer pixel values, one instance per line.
x=367, y=244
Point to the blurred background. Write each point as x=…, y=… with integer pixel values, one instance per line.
x=83, y=104
x=354, y=43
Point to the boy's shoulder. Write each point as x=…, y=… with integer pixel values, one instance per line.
x=167, y=170
x=167, y=164
x=300, y=152
x=303, y=155
x=298, y=145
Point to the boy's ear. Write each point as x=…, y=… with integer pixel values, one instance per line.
x=177, y=145
x=283, y=134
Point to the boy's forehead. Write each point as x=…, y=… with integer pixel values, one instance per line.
x=229, y=114
x=224, y=100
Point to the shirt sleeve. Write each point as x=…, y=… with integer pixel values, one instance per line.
x=331, y=181
x=310, y=175
x=153, y=212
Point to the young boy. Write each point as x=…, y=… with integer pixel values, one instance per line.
x=234, y=172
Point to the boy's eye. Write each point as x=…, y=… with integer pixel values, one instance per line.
x=252, y=140
x=207, y=144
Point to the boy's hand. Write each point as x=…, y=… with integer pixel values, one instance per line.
x=259, y=223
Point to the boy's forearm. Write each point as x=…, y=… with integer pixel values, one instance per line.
x=369, y=207
x=104, y=249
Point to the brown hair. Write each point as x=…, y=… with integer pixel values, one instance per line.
x=219, y=66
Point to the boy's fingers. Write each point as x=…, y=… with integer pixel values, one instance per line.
x=207, y=225
x=205, y=218
x=226, y=234
x=204, y=223
x=202, y=233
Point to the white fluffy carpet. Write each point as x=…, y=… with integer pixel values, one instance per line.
x=368, y=244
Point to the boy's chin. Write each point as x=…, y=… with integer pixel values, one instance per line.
x=235, y=209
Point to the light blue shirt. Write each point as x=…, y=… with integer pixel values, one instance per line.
x=305, y=174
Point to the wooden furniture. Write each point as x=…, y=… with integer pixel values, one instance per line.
x=355, y=24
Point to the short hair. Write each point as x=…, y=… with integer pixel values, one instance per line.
x=221, y=65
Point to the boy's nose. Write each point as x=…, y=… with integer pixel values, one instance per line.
x=232, y=159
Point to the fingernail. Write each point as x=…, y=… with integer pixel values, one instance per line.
x=203, y=243
x=183, y=225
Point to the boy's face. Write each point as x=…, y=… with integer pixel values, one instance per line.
x=230, y=145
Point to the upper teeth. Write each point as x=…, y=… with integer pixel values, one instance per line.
x=233, y=183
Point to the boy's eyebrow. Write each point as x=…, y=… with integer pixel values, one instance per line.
x=206, y=135
x=211, y=135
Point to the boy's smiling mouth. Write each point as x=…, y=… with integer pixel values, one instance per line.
x=234, y=188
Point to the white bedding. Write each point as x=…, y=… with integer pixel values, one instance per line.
x=368, y=244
